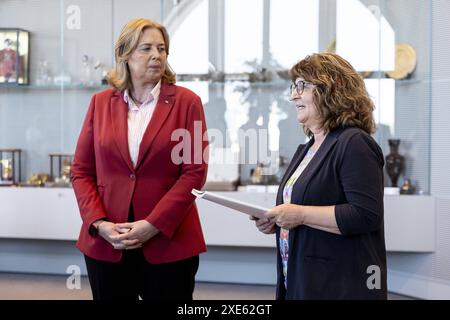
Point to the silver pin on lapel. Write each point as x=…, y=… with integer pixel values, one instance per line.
x=166, y=101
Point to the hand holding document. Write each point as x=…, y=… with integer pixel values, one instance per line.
x=250, y=209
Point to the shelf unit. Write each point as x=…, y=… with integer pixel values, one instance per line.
x=52, y=214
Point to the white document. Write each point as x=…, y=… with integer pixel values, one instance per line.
x=250, y=209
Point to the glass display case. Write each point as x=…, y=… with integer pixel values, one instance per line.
x=237, y=63
x=10, y=167
x=60, y=165
x=14, y=56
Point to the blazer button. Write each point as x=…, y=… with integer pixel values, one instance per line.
x=132, y=176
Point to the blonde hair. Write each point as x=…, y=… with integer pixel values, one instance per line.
x=339, y=93
x=119, y=77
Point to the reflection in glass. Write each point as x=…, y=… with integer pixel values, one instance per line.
x=294, y=33
x=215, y=110
x=243, y=34
x=239, y=32
x=189, y=42
x=364, y=37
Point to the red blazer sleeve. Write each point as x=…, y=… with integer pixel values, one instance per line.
x=83, y=172
x=173, y=207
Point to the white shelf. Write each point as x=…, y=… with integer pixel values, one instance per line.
x=39, y=213
x=52, y=213
x=410, y=223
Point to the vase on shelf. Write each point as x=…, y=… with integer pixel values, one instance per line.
x=407, y=187
x=394, y=162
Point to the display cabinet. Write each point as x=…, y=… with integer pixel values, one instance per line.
x=62, y=162
x=45, y=207
x=14, y=56
x=237, y=63
x=10, y=167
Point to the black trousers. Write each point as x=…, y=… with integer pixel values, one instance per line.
x=134, y=277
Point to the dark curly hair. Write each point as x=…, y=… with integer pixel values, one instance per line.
x=339, y=93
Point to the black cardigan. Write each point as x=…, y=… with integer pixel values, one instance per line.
x=346, y=171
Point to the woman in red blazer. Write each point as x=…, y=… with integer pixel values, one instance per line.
x=139, y=154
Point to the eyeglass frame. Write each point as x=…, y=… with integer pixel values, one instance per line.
x=295, y=85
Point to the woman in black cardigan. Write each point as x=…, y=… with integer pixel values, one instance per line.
x=329, y=214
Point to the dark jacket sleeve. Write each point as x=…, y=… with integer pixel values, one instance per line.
x=361, y=174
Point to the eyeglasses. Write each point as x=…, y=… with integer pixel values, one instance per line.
x=299, y=87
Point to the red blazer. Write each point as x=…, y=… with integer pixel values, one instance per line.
x=106, y=183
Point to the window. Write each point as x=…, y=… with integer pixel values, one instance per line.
x=294, y=30
x=364, y=37
x=189, y=42
x=243, y=34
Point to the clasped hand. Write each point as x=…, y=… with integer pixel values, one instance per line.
x=129, y=235
x=285, y=216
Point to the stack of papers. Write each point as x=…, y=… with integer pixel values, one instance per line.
x=250, y=209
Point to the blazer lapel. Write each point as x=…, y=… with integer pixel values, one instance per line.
x=162, y=110
x=291, y=168
x=119, y=119
x=303, y=180
x=298, y=191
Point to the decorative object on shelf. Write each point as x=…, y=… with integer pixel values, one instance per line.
x=256, y=174
x=62, y=176
x=14, y=53
x=44, y=74
x=262, y=75
x=405, y=62
x=407, y=187
x=394, y=162
x=270, y=73
x=62, y=80
x=101, y=73
x=10, y=167
x=264, y=174
x=86, y=77
x=214, y=74
x=6, y=171
x=38, y=180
